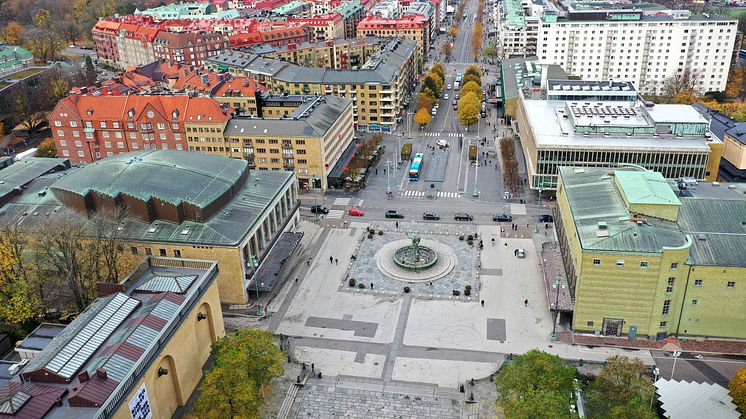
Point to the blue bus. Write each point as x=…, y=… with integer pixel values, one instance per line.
x=415, y=167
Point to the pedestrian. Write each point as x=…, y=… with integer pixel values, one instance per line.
x=397, y=225
x=331, y=259
x=528, y=225
x=376, y=170
x=493, y=241
x=384, y=171
x=506, y=244
x=308, y=262
x=313, y=367
x=296, y=280
x=431, y=283
x=525, y=302
x=515, y=253
x=336, y=261
x=482, y=303
x=371, y=285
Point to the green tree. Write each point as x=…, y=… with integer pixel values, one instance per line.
x=472, y=87
x=423, y=117
x=47, y=149
x=491, y=50
x=430, y=83
x=244, y=365
x=621, y=390
x=536, y=385
x=737, y=390
x=90, y=70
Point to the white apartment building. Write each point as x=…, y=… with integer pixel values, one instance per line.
x=517, y=29
x=642, y=49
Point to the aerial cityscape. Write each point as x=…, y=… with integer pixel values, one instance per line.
x=373, y=209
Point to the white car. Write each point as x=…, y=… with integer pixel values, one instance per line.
x=434, y=111
x=445, y=96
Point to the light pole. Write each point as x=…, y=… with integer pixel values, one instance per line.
x=398, y=154
x=255, y=265
x=656, y=373
x=388, y=176
x=409, y=125
x=676, y=355
x=476, y=168
x=557, y=283
x=538, y=210
x=316, y=213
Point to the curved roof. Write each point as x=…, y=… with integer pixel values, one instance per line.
x=169, y=175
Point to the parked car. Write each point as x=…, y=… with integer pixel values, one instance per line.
x=546, y=218
x=520, y=253
x=462, y=216
x=355, y=212
x=434, y=112
x=430, y=216
x=502, y=217
x=319, y=209
x=394, y=214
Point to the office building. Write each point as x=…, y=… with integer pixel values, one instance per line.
x=650, y=257
x=139, y=347
x=517, y=32
x=179, y=204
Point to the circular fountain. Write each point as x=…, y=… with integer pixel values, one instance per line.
x=411, y=261
x=415, y=257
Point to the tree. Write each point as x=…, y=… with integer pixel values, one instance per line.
x=621, y=390
x=425, y=101
x=685, y=97
x=244, y=365
x=13, y=33
x=536, y=384
x=90, y=70
x=447, y=50
x=737, y=83
x=45, y=45
x=472, y=87
x=468, y=112
x=423, y=117
x=737, y=390
x=60, y=89
x=41, y=18
x=17, y=303
x=434, y=83
x=473, y=70
x=688, y=80
x=491, y=50
x=453, y=32
x=439, y=70
x=27, y=114
x=47, y=149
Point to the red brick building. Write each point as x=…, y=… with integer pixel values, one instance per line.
x=188, y=48
x=273, y=36
x=90, y=128
x=105, y=34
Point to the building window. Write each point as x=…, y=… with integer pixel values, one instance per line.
x=596, y=262
x=589, y=323
x=663, y=324
x=133, y=249
x=674, y=266
x=177, y=253
x=698, y=282
x=63, y=143
x=148, y=251
x=695, y=302
x=620, y=263
x=666, y=307
x=162, y=252
x=643, y=265
x=669, y=288
x=731, y=284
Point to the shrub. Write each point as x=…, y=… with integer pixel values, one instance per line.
x=456, y=293
x=351, y=282
x=370, y=235
x=468, y=287
x=467, y=291
x=361, y=285
x=380, y=232
x=470, y=237
x=406, y=289
x=461, y=237
x=471, y=242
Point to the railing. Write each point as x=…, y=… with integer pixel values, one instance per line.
x=126, y=386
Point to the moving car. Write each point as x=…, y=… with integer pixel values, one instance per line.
x=449, y=87
x=546, y=218
x=355, y=212
x=462, y=216
x=319, y=209
x=430, y=216
x=445, y=96
x=394, y=214
x=502, y=217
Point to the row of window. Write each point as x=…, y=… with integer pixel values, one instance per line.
x=643, y=264
x=149, y=252
x=116, y=125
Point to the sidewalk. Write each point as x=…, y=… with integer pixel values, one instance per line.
x=669, y=344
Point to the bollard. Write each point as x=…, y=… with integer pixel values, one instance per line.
x=319, y=375
x=471, y=397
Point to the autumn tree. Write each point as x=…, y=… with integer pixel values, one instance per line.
x=737, y=83
x=440, y=70
x=17, y=302
x=27, y=113
x=47, y=149
x=425, y=101
x=535, y=385
x=472, y=87
x=468, y=110
x=423, y=117
x=737, y=390
x=453, y=32
x=237, y=383
x=13, y=33
x=621, y=390
x=688, y=80
x=90, y=70
x=447, y=50
x=60, y=89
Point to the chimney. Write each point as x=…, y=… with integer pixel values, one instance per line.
x=83, y=376
x=101, y=373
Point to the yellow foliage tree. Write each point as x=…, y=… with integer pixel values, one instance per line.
x=472, y=87
x=737, y=390
x=13, y=33
x=468, y=109
x=425, y=101
x=737, y=83
x=423, y=117
x=453, y=32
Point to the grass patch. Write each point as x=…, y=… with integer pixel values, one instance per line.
x=25, y=73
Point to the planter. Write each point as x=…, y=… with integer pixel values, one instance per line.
x=351, y=282
x=406, y=290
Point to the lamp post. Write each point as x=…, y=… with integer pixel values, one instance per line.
x=409, y=125
x=557, y=283
x=476, y=172
x=538, y=210
x=255, y=265
x=388, y=176
x=313, y=181
x=676, y=355
x=656, y=373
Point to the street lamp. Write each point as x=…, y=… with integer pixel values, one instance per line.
x=388, y=176
x=538, y=211
x=557, y=283
x=676, y=355
x=255, y=265
x=476, y=172
x=656, y=373
x=409, y=125
x=313, y=185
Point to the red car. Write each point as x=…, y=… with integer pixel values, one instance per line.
x=355, y=212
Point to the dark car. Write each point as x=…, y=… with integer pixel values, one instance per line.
x=546, y=218
x=462, y=216
x=319, y=209
x=502, y=217
x=430, y=216
x=394, y=214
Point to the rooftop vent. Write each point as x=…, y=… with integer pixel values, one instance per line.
x=701, y=236
x=602, y=225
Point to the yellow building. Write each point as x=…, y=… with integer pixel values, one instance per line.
x=139, y=347
x=733, y=166
x=179, y=204
x=646, y=257
x=378, y=89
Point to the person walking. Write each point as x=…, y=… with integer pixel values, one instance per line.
x=525, y=302
x=331, y=259
x=397, y=225
x=336, y=261
x=482, y=303
x=371, y=285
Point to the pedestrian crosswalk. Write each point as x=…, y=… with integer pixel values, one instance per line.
x=423, y=194
x=335, y=214
x=443, y=134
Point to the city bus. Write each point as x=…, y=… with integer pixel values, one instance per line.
x=415, y=167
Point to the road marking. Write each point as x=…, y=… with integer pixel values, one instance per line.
x=335, y=214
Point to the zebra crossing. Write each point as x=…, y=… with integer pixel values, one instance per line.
x=443, y=134
x=335, y=214
x=421, y=194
